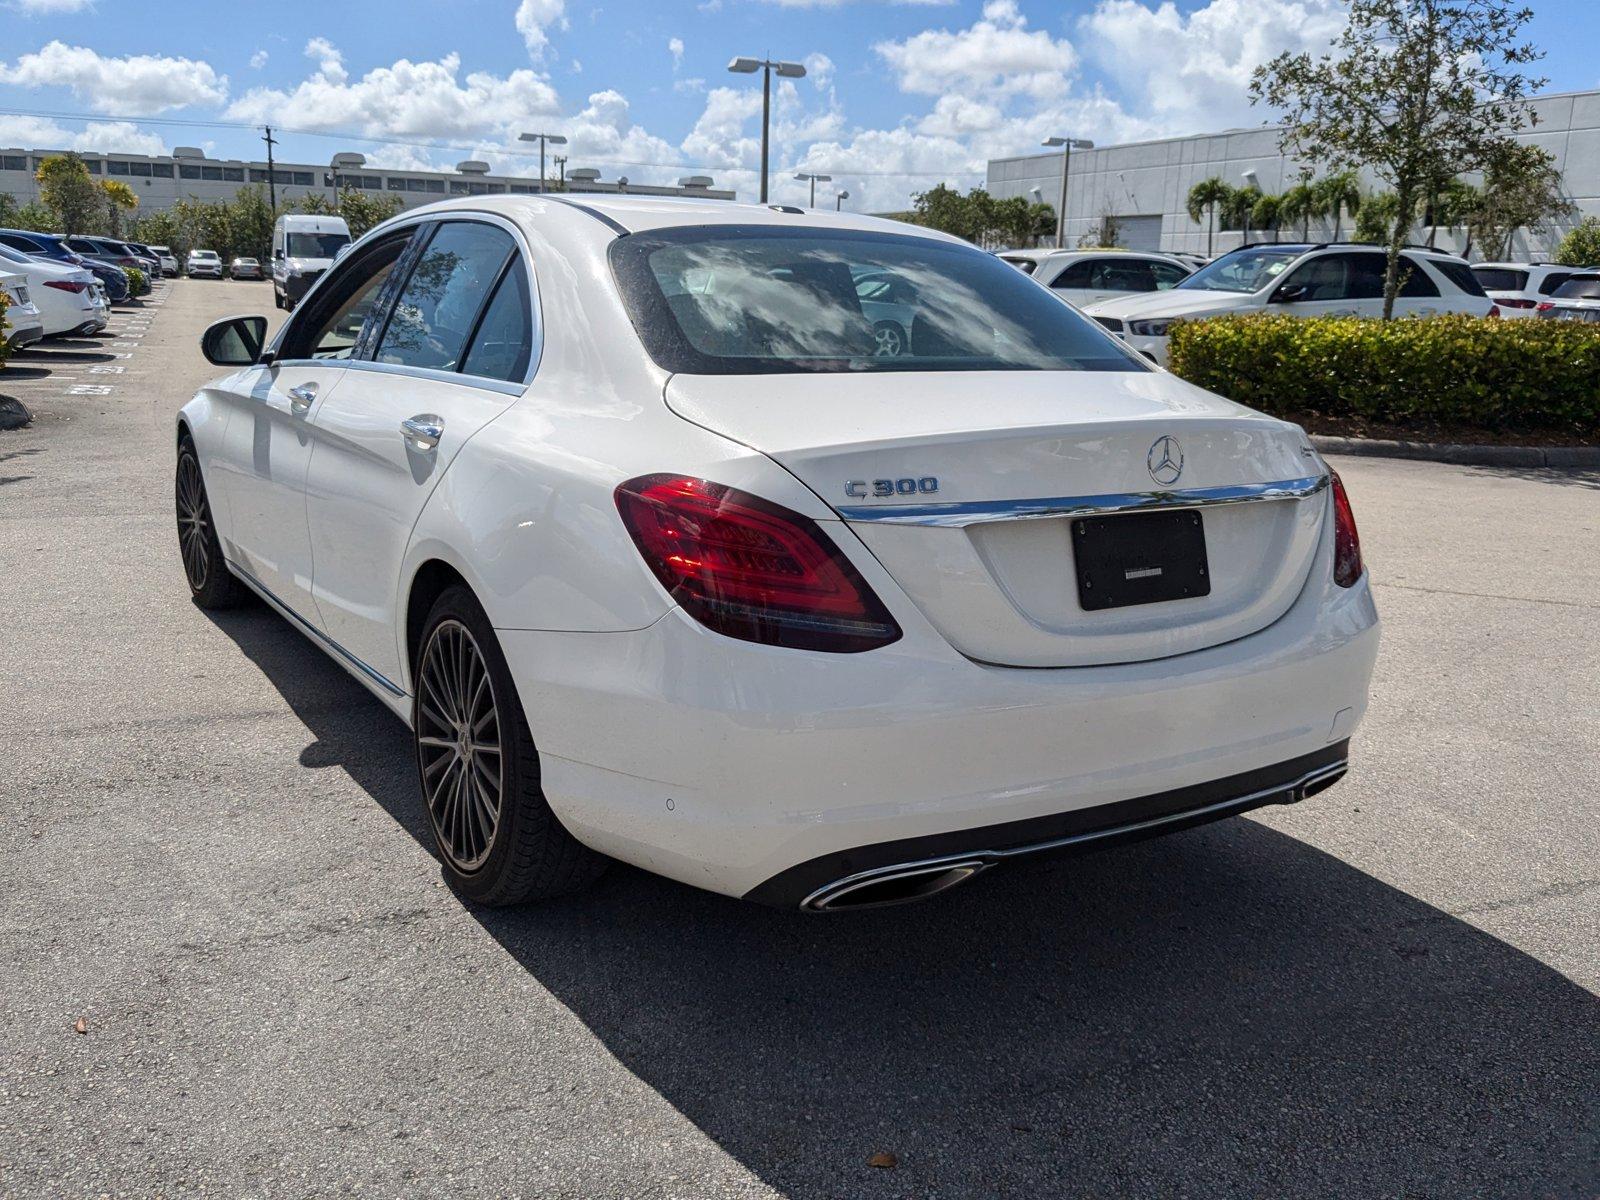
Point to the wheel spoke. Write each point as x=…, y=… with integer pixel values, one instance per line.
x=459, y=748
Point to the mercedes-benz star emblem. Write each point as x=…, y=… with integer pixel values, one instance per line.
x=1165, y=460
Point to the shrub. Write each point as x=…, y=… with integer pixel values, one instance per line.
x=1581, y=247
x=138, y=285
x=5, y=353
x=1505, y=375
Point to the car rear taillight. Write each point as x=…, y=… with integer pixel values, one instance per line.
x=751, y=569
x=1516, y=302
x=66, y=285
x=1494, y=311
x=1346, y=541
x=1545, y=306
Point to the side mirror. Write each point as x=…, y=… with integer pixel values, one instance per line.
x=276, y=255
x=234, y=341
x=1289, y=293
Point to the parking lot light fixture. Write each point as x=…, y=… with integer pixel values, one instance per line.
x=839, y=198
x=1068, y=145
x=555, y=139
x=815, y=179
x=787, y=70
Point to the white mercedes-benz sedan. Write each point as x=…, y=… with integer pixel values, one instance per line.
x=618, y=505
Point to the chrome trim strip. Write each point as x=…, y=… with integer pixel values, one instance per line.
x=267, y=594
x=956, y=515
x=818, y=900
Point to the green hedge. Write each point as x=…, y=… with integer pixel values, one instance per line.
x=1493, y=374
x=138, y=285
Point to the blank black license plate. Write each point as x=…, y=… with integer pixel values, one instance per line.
x=1140, y=558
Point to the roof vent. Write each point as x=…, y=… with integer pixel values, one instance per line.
x=584, y=174
x=188, y=152
x=348, y=158
x=695, y=181
x=472, y=166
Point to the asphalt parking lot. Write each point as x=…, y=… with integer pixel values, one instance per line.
x=216, y=860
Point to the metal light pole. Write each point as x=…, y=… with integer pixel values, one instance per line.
x=839, y=198
x=561, y=168
x=786, y=70
x=815, y=179
x=1068, y=145
x=555, y=139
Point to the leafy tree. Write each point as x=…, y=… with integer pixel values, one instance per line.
x=1521, y=190
x=8, y=209
x=119, y=198
x=1581, y=247
x=35, y=216
x=1378, y=214
x=1456, y=205
x=161, y=229
x=362, y=211
x=1338, y=194
x=250, y=220
x=1266, y=213
x=1418, y=91
x=1204, y=199
x=315, y=204
x=66, y=189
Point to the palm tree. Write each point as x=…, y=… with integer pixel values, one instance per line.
x=1204, y=197
x=119, y=197
x=1299, y=203
x=1266, y=213
x=1339, y=193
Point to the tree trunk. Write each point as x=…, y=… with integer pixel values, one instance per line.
x=1397, y=241
x=1211, y=229
x=1338, y=211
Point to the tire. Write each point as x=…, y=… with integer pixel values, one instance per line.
x=891, y=339
x=210, y=582
x=526, y=853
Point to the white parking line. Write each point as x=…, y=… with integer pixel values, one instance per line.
x=107, y=370
x=89, y=389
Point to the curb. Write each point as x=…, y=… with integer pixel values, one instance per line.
x=1569, y=458
x=13, y=414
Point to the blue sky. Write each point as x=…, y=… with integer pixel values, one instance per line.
x=898, y=95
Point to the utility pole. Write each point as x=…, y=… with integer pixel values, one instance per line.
x=272, y=174
x=561, y=169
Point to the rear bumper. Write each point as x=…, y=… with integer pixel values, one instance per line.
x=24, y=335
x=739, y=767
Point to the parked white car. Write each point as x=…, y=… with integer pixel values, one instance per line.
x=1300, y=280
x=1577, y=299
x=70, y=299
x=168, y=260
x=22, y=324
x=1519, y=288
x=205, y=264
x=615, y=502
x=1085, y=277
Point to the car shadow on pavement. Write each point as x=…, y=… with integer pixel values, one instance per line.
x=1226, y=1011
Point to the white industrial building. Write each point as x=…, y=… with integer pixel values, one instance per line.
x=187, y=174
x=1145, y=185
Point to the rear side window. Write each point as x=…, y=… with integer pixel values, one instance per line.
x=761, y=299
x=437, y=309
x=1414, y=280
x=1459, y=274
x=503, y=344
x=1501, y=279
x=1552, y=281
x=1580, y=287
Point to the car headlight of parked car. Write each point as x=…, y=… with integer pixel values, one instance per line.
x=1150, y=328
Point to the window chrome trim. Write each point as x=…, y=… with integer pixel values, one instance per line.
x=475, y=381
x=955, y=515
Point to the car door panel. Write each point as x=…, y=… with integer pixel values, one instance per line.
x=369, y=477
x=262, y=467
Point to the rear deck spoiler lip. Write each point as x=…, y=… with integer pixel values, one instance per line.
x=958, y=514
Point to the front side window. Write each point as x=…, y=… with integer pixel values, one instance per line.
x=1460, y=274
x=737, y=300
x=345, y=303
x=439, y=304
x=1243, y=271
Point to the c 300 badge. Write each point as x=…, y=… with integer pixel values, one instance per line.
x=860, y=489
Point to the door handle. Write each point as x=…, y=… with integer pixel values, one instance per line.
x=300, y=398
x=423, y=431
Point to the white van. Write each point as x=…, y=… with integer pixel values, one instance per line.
x=303, y=247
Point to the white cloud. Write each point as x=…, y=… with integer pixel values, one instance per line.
x=140, y=83
x=258, y=60
x=998, y=52
x=50, y=7
x=534, y=18
x=37, y=133
x=1190, y=72
x=424, y=100
x=675, y=48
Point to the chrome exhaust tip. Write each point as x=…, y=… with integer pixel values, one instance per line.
x=891, y=885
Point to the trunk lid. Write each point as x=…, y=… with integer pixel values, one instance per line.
x=987, y=552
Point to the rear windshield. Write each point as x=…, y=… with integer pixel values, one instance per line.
x=1501, y=279
x=1580, y=287
x=316, y=245
x=753, y=299
x=1026, y=265
x=1243, y=270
